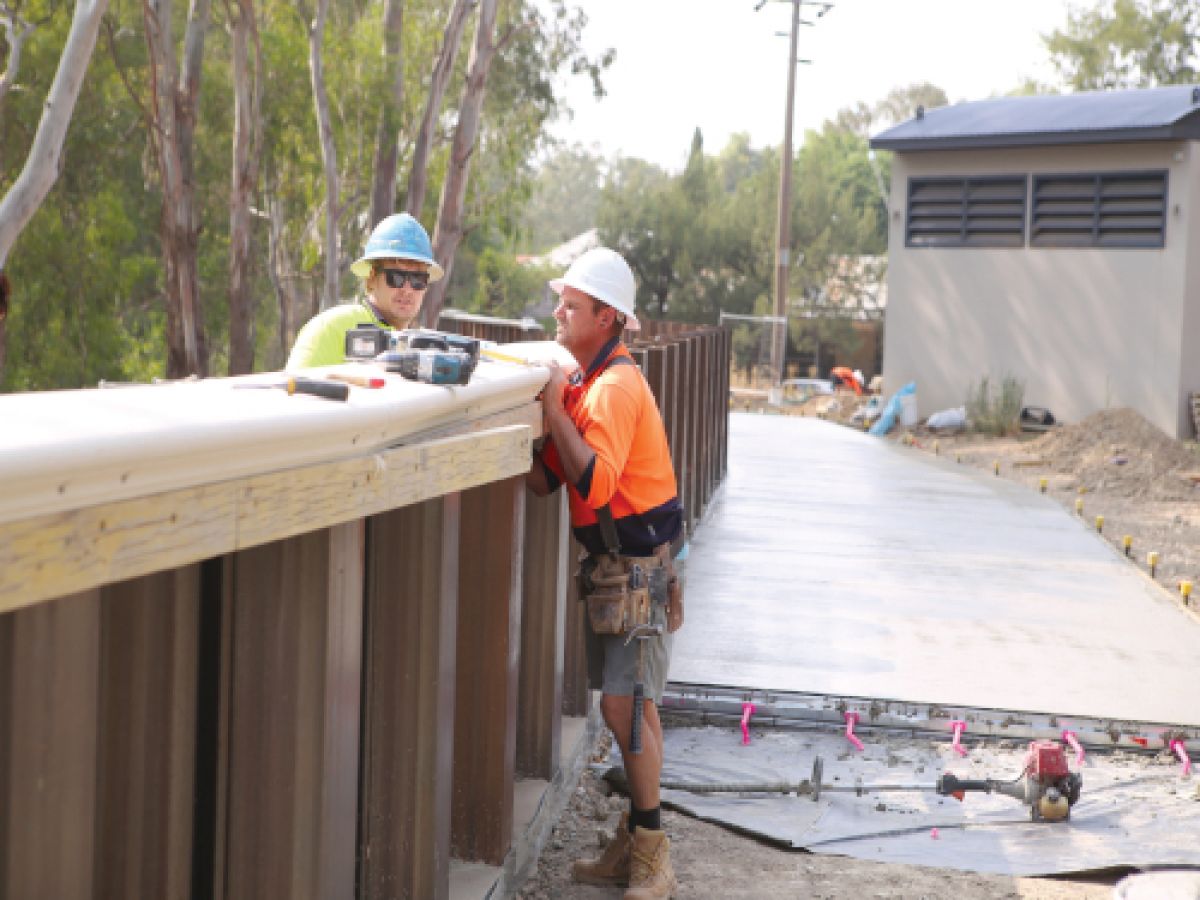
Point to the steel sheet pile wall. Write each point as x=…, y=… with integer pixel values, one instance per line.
x=261, y=646
x=502, y=331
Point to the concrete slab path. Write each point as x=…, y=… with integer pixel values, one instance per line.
x=836, y=562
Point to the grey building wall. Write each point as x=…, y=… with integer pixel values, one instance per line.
x=1189, y=337
x=1083, y=328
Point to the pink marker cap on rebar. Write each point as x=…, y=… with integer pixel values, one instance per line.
x=851, y=721
x=958, y=726
x=747, y=712
x=1073, y=741
x=1180, y=749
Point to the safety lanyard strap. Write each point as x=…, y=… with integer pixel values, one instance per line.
x=608, y=530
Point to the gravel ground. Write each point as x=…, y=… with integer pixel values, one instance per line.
x=713, y=862
x=1114, y=464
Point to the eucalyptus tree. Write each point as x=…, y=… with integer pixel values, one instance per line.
x=84, y=268
x=1128, y=44
x=315, y=21
x=516, y=99
x=41, y=165
x=247, y=149
x=16, y=32
x=439, y=80
x=450, y=226
x=175, y=97
x=143, y=129
x=41, y=168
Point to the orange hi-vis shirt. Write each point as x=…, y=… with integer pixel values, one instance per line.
x=615, y=412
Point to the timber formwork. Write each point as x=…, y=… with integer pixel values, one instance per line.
x=261, y=646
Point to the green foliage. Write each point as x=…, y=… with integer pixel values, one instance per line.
x=87, y=273
x=540, y=39
x=1128, y=44
x=752, y=346
x=84, y=270
x=996, y=412
x=900, y=104
x=503, y=287
x=564, y=199
x=702, y=242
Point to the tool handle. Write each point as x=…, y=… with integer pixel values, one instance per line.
x=330, y=390
x=635, y=728
x=949, y=784
x=362, y=381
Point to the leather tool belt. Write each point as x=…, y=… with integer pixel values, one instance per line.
x=619, y=596
x=617, y=588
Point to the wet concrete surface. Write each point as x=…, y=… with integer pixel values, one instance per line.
x=836, y=562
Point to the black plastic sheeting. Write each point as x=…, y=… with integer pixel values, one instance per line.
x=1136, y=811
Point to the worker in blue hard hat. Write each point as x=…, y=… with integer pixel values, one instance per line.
x=396, y=267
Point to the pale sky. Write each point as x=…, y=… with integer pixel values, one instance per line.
x=719, y=65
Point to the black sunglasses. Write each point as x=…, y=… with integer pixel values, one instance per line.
x=396, y=278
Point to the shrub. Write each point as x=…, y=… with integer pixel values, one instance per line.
x=998, y=414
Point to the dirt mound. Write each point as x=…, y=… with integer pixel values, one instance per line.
x=839, y=407
x=1117, y=450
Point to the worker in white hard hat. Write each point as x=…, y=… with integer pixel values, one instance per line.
x=396, y=267
x=607, y=444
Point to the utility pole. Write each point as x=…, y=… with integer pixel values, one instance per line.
x=784, y=229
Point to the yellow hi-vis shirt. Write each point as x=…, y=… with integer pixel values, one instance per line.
x=322, y=340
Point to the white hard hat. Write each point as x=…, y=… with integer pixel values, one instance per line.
x=603, y=274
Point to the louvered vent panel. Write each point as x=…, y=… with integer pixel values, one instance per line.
x=1112, y=209
x=966, y=212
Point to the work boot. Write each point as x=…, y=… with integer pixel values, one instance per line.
x=612, y=866
x=651, y=876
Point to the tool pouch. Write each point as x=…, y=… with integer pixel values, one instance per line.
x=674, y=591
x=674, y=602
x=617, y=599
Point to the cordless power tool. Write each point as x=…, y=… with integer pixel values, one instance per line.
x=431, y=357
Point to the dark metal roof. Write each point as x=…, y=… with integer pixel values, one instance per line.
x=1095, y=117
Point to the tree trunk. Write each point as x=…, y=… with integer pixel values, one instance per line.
x=450, y=225
x=16, y=31
x=443, y=68
x=282, y=275
x=387, y=137
x=247, y=145
x=316, y=35
x=3, y=318
x=42, y=164
x=173, y=118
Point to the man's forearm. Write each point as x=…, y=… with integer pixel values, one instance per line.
x=535, y=478
x=573, y=450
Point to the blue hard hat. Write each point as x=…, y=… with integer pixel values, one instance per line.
x=398, y=237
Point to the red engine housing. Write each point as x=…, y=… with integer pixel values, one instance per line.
x=1046, y=761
